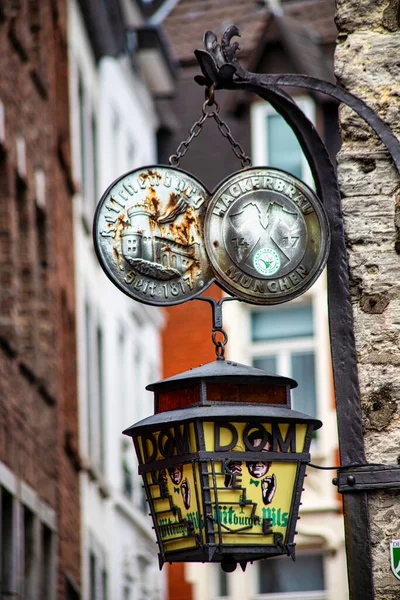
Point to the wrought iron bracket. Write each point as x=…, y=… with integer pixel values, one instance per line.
x=367, y=478
x=220, y=67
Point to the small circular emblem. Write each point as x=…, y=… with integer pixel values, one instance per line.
x=148, y=235
x=266, y=235
x=266, y=261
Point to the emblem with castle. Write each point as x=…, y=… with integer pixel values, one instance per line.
x=149, y=242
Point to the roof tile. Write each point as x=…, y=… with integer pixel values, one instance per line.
x=186, y=24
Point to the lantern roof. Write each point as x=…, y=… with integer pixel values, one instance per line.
x=226, y=371
x=224, y=413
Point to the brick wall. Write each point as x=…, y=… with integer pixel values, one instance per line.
x=38, y=403
x=187, y=335
x=178, y=587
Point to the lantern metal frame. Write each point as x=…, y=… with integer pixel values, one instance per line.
x=214, y=549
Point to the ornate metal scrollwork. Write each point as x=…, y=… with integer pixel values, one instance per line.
x=220, y=66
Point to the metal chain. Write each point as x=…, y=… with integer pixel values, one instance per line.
x=219, y=344
x=236, y=147
x=196, y=129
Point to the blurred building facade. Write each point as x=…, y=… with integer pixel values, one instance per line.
x=39, y=458
x=291, y=339
x=118, y=67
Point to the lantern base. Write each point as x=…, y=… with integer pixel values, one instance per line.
x=228, y=557
x=228, y=564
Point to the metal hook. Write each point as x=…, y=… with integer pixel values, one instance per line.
x=216, y=306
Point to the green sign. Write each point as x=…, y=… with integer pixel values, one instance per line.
x=395, y=557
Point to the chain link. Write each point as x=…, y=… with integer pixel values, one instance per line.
x=197, y=127
x=219, y=344
x=195, y=130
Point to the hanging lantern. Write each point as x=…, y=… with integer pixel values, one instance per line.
x=223, y=461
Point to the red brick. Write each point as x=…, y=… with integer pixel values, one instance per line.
x=38, y=395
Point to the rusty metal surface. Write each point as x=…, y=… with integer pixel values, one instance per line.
x=266, y=235
x=148, y=235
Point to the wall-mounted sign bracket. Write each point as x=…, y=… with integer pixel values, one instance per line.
x=221, y=68
x=367, y=477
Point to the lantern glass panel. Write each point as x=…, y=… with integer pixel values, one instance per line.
x=252, y=496
x=172, y=399
x=173, y=485
x=177, y=506
x=254, y=394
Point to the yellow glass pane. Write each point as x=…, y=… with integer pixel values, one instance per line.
x=263, y=491
x=230, y=435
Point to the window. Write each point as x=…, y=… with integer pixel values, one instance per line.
x=283, y=342
x=92, y=576
x=7, y=545
x=128, y=476
x=71, y=589
x=100, y=387
x=222, y=583
x=127, y=592
x=97, y=571
x=274, y=143
x=95, y=166
x=125, y=401
x=277, y=576
x=116, y=143
x=41, y=237
x=46, y=567
x=89, y=376
x=95, y=392
x=82, y=132
x=27, y=541
x=28, y=552
x=104, y=584
x=88, y=147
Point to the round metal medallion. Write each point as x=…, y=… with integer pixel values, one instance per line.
x=266, y=235
x=148, y=235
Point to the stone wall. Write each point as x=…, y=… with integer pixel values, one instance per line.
x=367, y=64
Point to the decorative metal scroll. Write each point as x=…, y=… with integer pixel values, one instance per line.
x=221, y=68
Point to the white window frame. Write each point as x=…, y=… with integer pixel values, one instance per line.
x=259, y=132
x=95, y=404
x=24, y=496
x=282, y=349
x=89, y=151
x=319, y=342
x=310, y=595
x=216, y=581
x=101, y=567
x=84, y=156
